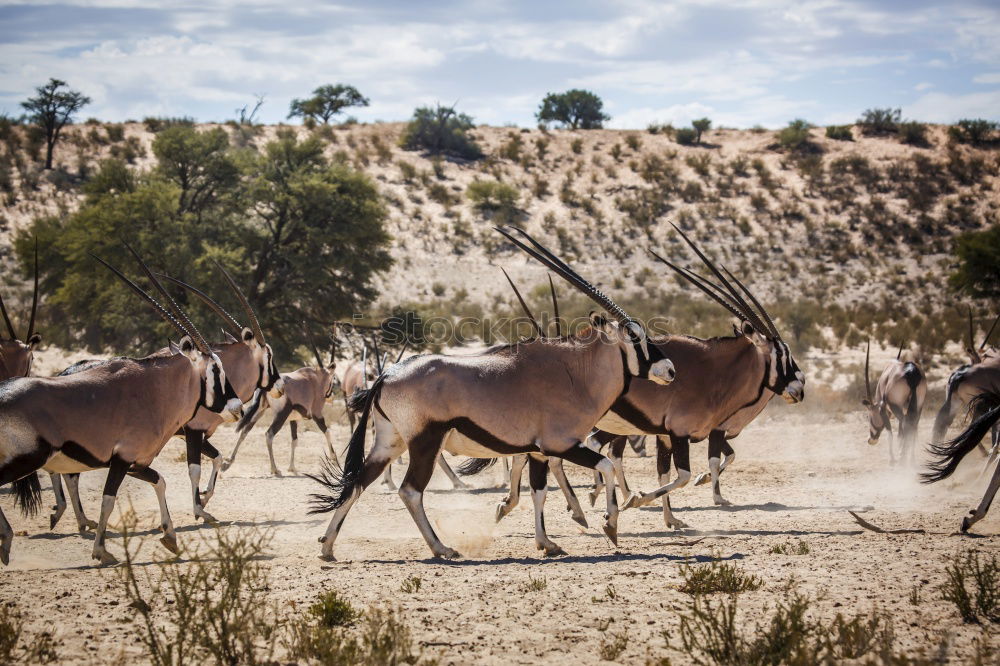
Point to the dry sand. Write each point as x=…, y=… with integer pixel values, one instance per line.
x=795, y=476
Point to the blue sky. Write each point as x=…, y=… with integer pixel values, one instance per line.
x=740, y=63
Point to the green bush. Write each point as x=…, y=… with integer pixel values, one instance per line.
x=879, y=122
x=686, y=136
x=160, y=123
x=973, y=131
x=332, y=610
x=575, y=109
x=700, y=126
x=492, y=195
x=440, y=130
x=913, y=133
x=839, y=133
x=795, y=136
x=973, y=585
x=716, y=577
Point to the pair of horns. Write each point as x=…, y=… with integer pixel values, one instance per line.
x=986, y=338
x=558, y=266
x=219, y=310
x=868, y=381
x=315, y=349
x=175, y=316
x=726, y=295
x=34, y=307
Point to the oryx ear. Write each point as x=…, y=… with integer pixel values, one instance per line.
x=598, y=320
x=34, y=340
x=186, y=347
x=751, y=333
x=228, y=338
x=247, y=335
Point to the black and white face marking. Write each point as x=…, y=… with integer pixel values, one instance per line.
x=644, y=360
x=877, y=421
x=784, y=376
x=219, y=394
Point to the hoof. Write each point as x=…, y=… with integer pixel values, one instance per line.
x=5, y=553
x=226, y=464
x=581, y=520
x=676, y=524
x=106, y=559
x=501, y=512
x=458, y=485
x=722, y=501
x=555, y=551
x=206, y=497
x=275, y=472
x=53, y=520
x=702, y=479
x=327, y=557
x=170, y=543
x=208, y=518
x=449, y=554
x=86, y=525
x=612, y=534
x=634, y=500
x=966, y=524
x=592, y=495
x=322, y=539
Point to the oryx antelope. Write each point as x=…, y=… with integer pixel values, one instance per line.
x=949, y=454
x=899, y=393
x=306, y=391
x=17, y=353
x=722, y=384
x=538, y=397
x=92, y=418
x=249, y=364
x=979, y=377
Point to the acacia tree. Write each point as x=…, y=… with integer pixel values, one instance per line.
x=701, y=125
x=576, y=109
x=978, y=271
x=327, y=101
x=51, y=109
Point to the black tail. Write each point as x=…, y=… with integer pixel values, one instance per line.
x=944, y=416
x=28, y=492
x=342, y=481
x=950, y=454
x=247, y=421
x=357, y=400
x=913, y=377
x=474, y=466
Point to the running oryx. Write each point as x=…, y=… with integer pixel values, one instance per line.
x=538, y=396
x=987, y=405
x=722, y=385
x=971, y=380
x=249, y=365
x=900, y=393
x=93, y=418
x=306, y=391
x=16, y=353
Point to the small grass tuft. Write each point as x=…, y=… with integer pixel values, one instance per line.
x=973, y=585
x=613, y=645
x=332, y=610
x=534, y=584
x=411, y=585
x=717, y=576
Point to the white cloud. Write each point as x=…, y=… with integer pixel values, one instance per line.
x=941, y=108
x=923, y=85
x=992, y=77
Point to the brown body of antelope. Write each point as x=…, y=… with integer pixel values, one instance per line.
x=306, y=391
x=541, y=397
x=355, y=379
x=92, y=419
x=249, y=365
x=722, y=385
x=899, y=393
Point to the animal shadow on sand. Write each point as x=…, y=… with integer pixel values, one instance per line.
x=617, y=556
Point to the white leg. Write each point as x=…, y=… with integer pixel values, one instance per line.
x=714, y=467
x=979, y=512
x=269, y=438
x=668, y=517
x=542, y=540
x=291, y=460
x=73, y=488
x=514, y=491
x=100, y=552
x=6, y=539
x=169, y=538
x=572, y=503
x=210, y=491
x=194, y=471
x=456, y=482
x=607, y=470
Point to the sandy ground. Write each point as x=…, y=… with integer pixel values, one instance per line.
x=795, y=476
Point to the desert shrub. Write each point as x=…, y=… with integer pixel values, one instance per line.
x=660, y=128
x=541, y=146
x=160, y=123
x=633, y=141
x=978, y=269
x=212, y=608
x=686, y=136
x=115, y=132
x=879, y=122
x=717, y=576
x=839, y=133
x=412, y=584
x=384, y=639
x=613, y=645
x=493, y=196
x=973, y=586
x=511, y=148
x=700, y=126
x=332, y=610
x=973, y=131
x=795, y=136
x=913, y=133
x=700, y=163
x=534, y=584
x=440, y=130
x=441, y=194
x=407, y=170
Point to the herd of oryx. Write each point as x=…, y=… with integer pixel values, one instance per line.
x=541, y=400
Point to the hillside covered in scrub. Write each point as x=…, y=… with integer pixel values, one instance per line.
x=838, y=237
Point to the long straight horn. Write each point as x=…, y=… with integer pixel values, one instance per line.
x=555, y=307
x=718, y=296
x=900, y=352
x=972, y=342
x=546, y=258
x=312, y=344
x=6, y=319
x=402, y=351
x=254, y=324
x=868, y=381
x=160, y=310
x=34, y=297
x=748, y=311
x=196, y=336
x=524, y=306
x=364, y=363
x=988, y=334
x=767, y=317
x=378, y=357
x=235, y=326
